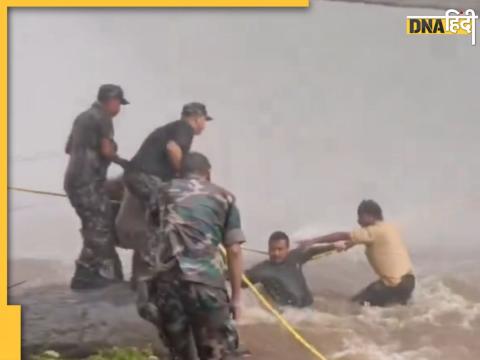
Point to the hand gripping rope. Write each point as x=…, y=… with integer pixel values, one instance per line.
x=284, y=322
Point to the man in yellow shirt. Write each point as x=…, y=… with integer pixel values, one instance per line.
x=386, y=252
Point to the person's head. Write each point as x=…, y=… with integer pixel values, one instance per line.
x=196, y=115
x=369, y=212
x=278, y=247
x=111, y=97
x=197, y=164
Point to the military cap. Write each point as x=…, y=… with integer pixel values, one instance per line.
x=111, y=91
x=195, y=109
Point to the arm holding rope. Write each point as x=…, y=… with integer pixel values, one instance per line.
x=326, y=239
x=235, y=270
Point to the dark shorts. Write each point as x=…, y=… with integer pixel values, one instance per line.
x=379, y=294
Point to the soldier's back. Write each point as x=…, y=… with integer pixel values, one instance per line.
x=196, y=219
x=199, y=203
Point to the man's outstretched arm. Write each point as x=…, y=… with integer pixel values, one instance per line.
x=309, y=252
x=326, y=239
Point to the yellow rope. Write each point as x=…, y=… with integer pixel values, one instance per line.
x=316, y=257
x=279, y=316
x=37, y=191
x=49, y=193
x=252, y=287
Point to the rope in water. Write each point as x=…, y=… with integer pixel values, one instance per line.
x=284, y=322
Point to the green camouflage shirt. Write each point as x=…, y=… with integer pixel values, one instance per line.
x=200, y=216
x=86, y=165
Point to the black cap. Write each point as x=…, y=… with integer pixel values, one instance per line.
x=195, y=109
x=111, y=91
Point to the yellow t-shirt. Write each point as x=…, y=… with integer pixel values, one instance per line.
x=386, y=252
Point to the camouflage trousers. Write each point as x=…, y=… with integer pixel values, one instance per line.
x=192, y=319
x=98, y=254
x=144, y=186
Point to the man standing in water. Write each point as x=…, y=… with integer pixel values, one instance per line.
x=282, y=275
x=182, y=290
x=386, y=253
x=91, y=148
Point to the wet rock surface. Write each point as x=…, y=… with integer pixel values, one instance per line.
x=77, y=324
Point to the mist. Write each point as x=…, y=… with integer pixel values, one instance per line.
x=315, y=109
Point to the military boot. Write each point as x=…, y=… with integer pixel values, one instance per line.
x=96, y=267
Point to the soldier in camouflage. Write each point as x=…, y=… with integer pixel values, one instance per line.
x=91, y=148
x=182, y=288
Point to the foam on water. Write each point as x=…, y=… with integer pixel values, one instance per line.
x=437, y=304
x=361, y=349
x=438, y=323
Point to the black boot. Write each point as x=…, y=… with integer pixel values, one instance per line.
x=97, y=266
x=86, y=278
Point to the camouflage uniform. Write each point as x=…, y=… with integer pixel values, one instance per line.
x=143, y=186
x=84, y=184
x=182, y=289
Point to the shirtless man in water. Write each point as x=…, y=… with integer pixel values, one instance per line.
x=282, y=275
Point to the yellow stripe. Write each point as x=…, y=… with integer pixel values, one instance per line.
x=159, y=3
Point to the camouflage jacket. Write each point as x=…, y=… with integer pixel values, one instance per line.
x=197, y=217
